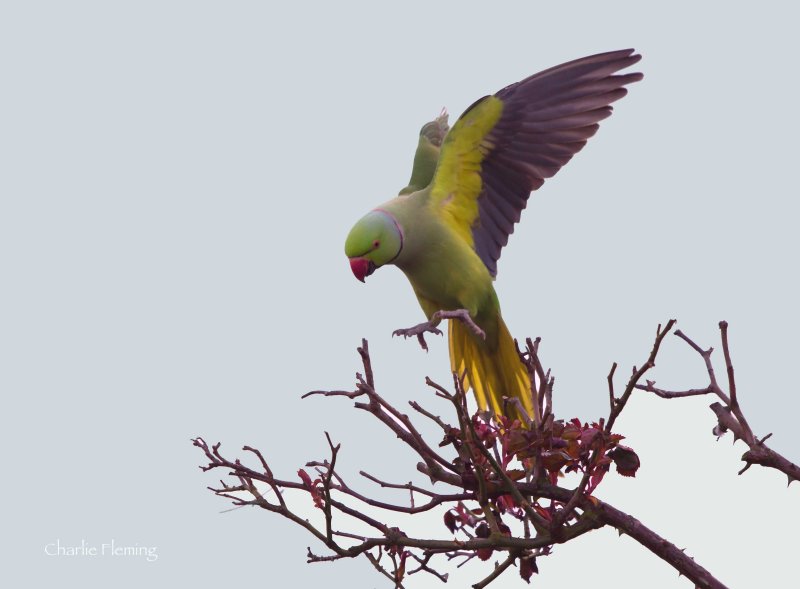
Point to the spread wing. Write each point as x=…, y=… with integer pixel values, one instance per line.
x=504, y=146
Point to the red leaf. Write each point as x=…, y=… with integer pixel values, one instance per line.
x=527, y=567
x=450, y=521
x=543, y=512
x=311, y=486
x=484, y=553
x=305, y=478
x=505, y=502
x=589, y=435
x=515, y=474
x=554, y=460
x=595, y=479
x=464, y=515
x=626, y=460
x=571, y=431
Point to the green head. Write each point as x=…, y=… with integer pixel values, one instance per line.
x=374, y=241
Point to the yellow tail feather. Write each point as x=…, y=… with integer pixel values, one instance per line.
x=491, y=374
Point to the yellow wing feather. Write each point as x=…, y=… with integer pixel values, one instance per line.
x=457, y=183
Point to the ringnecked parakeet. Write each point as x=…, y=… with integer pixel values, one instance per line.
x=468, y=187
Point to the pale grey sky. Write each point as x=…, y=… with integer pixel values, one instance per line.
x=178, y=180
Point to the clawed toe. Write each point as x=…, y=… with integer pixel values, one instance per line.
x=430, y=326
x=419, y=331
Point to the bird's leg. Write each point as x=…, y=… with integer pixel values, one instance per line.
x=463, y=316
x=431, y=326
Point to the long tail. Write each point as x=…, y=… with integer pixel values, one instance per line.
x=490, y=373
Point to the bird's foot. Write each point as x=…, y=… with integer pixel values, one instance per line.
x=420, y=331
x=463, y=316
x=431, y=326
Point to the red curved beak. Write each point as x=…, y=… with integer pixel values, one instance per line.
x=361, y=267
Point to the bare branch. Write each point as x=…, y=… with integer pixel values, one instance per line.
x=637, y=375
x=504, y=499
x=612, y=399
x=730, y=416
x=498, y=570
x=423, y=566
x=664, y=394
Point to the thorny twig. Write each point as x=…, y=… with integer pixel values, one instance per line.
x=729, y=414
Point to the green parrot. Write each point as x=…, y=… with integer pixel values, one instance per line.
x=468, y=187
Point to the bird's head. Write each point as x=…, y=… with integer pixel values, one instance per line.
x=374, y=241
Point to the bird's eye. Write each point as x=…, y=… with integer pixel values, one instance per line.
x=376, y=244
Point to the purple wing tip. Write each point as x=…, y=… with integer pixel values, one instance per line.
x=549, y=117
